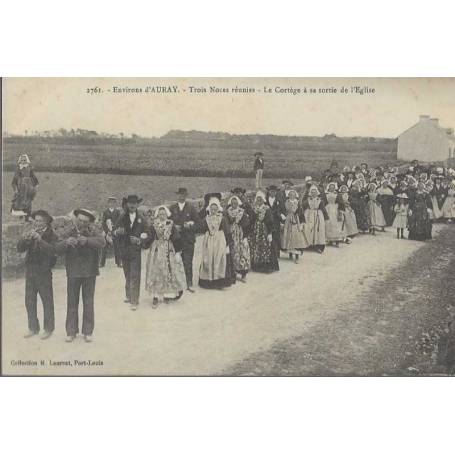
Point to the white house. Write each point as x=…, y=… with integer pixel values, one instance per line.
x=427, y=141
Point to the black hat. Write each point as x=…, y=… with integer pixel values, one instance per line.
x=133, y=198
x=85, y=212
x=182, y=191
x=287, y=181
x=44, y=214
x=258, y=154
x=272, y=188
x=209, y=196
x=238, y=189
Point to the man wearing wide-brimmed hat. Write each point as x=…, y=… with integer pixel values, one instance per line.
x=81, y=246
x=39, y=245
x=185, y=217
x=131, y=231
x=258, y=168
x=109, y=219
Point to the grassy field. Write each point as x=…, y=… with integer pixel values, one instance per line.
x=76, y=174
x=215, y=160
x=60, y=193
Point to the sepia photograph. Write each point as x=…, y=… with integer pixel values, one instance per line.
x=228, y=227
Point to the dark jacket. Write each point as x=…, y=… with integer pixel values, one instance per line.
x=189, y=213
x=82, y=261
x=276, y=210
x=258, y=164
x=114, y=216
x=41, y=256
x=140, y=226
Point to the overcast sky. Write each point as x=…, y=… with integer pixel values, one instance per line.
x=49, y=104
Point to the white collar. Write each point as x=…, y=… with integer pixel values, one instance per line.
x=181, y=205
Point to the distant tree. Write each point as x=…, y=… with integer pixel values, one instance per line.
x=62, y=132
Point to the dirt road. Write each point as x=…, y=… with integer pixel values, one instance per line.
x=213, y=332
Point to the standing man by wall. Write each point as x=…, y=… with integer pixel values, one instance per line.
x=81, y=245
x=258, y=168
x=131, y=231
x=185, y=216
x=39, y=243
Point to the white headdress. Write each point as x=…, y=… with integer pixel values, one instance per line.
x=261, y=194
x=168, y=213
x=234, y=197
x=329, y=184
x=216, y=201
x=308, y=178
x=314, y=187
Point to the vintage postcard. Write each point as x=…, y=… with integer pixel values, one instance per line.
x=228, y=227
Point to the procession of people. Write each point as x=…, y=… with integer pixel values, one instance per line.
x=243, y=233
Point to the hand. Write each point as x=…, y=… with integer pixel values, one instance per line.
x=227, y=250
x=283, y=217
x=120, y=231
x=82, y=240
x=269, y=238
x=135, y=240
x=71, y=241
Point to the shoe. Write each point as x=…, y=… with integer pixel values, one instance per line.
x=30, y=334
x=88, y=338
x=127, y=300
x=190, y=290
x=70, y=338
x=46, y=335
x=133, y=307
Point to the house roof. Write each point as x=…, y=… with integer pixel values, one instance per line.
x=440, y=128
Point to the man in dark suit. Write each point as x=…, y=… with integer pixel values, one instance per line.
x=109, y=219
x=39, y=243
x=185, y=216
x=277, y=209
x=258, y=168
x=81, y=246
x=131, y=232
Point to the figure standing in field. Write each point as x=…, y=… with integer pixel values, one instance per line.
x=165, y=273
x=25, y=185
x=185, y=217
x=131, y=232
x=81, y=245
x=110, y=218
x=39, y=244
x=258, y=168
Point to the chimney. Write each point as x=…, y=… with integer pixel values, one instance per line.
x=424, y=118
x=434, y=121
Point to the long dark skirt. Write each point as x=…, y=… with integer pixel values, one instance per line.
x=263, y=254
x=228, y=280
x=359, y=206
x=387, y=203
x=419, y=223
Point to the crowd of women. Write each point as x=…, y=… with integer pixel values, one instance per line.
x=250, y=235
x=241, y=233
